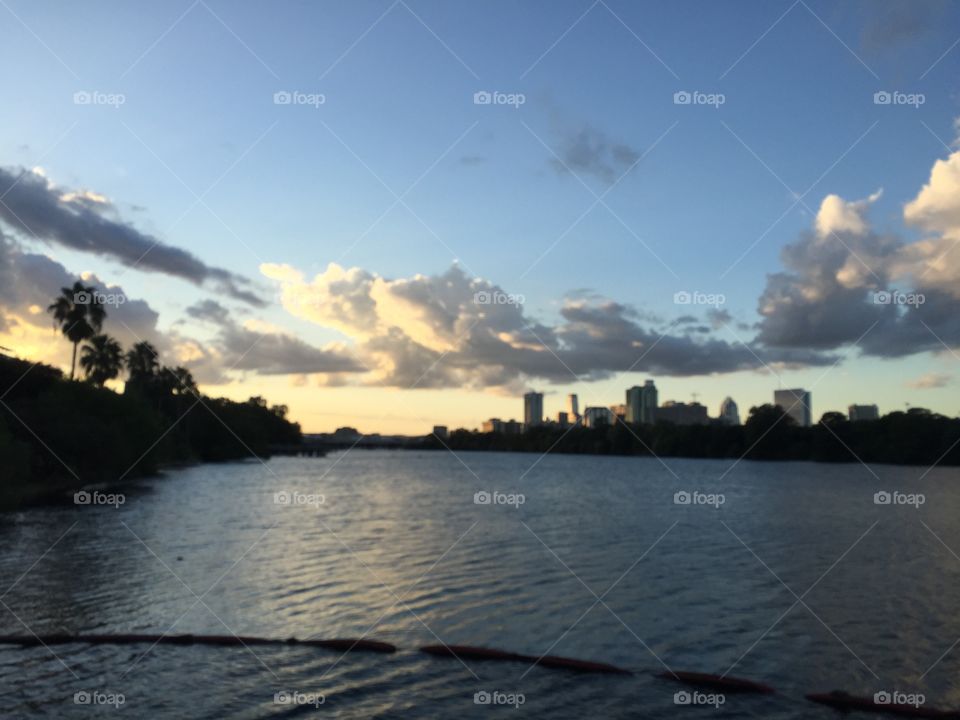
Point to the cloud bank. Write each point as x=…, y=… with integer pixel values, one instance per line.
x=452, y=330
x=844, y=282
x=86, y=221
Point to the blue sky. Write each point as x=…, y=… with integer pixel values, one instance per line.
x=302, y=185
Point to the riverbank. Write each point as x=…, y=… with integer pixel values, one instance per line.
x=59, y=436
x=916, y=437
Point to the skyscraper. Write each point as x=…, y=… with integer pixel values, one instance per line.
x=796, y=403
x=729, y=412
x=573, y=408
x=634, y=404
x=642, y=403
x=532, y=409
x=648, y=408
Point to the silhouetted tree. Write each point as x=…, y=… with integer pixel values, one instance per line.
x=183, y=382
x=833, y=418
x=79, y=314
x=101, y=359
x=767, y=432
x=142, y=363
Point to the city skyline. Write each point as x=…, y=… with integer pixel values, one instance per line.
x=375, y=251
x=796, y=403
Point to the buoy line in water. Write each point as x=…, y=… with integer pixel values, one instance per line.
x=841, y=701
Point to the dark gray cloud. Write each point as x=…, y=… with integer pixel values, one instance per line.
x=209, y=310
x=719, y=318
x=589, y=151
x=890, y=24
x=82, y=221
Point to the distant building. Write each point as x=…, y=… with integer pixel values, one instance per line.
x=573, y=408
x=729, y=412
x=507, y=427
x=594, y=417
x=634, y=404
x=642, y=404
x=796, y=403
x=493, y=425
x=619, y=411
x=532, y=409
x=563, y=420
x=680, y=413
x=863, y=412
x=441, y=431
x=648, y=409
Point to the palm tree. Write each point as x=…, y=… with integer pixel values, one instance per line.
x=184, y=384
x=142, y=363
x=101, y=359
x=80, y=315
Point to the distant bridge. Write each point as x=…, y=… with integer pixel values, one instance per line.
x=318, y=447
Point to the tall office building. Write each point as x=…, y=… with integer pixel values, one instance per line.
x=532, y=409
x=729, y=412
x=648, y=407
x=796, y=403
x=634, y=404
x=863, y=412
x=642, y=403
x=573, y=408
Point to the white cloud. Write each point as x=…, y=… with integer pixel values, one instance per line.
x=837, y=215
x=930, y=381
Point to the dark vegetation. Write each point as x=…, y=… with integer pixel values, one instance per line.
x=58, y=434
x=915, y=437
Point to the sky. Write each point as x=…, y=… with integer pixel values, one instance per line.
x=314, y=201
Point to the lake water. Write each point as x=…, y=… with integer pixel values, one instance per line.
x=400, y=551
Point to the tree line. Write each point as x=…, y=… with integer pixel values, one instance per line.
x=914, y=437
x=59, y=433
